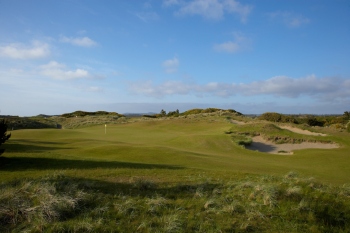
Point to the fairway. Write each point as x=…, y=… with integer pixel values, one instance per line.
x=188, y=144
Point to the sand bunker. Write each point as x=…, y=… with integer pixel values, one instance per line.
x=237, y=122
x=263, y=145
x=301, y=131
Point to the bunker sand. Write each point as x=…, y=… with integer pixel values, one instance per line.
x=301, y=131
x=262, y=145
x=237, y=122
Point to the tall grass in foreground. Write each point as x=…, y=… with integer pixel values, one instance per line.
x=59, y=203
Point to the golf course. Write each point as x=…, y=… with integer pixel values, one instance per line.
x=214, y=171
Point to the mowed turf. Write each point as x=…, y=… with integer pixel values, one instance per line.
x=165, y=149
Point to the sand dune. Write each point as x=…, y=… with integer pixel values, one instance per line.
x=301, y=131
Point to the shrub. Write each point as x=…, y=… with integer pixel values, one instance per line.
x=149, y=116
x=234, y=111
x=209, y=110
x=173, y=113
x=83, y=113
x=192, y=111
x=277, y=117
x=3, y=134
x=242, y=140
x=312, y=121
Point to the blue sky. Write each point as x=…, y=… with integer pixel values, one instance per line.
x=290, y=56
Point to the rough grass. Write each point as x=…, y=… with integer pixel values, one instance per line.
x=242, y=204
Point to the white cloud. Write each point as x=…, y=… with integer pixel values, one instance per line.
x=288, y=87
x=20, y=51
x=212, y=9
x=235, y=7
x=289, y=19
x=94, y=89
x=147, y=16
x=239, y=43
x=229, y=47
x=170, y=2
x=79, y=41
x=325, y=89
x=171, y=65
x=59, y=71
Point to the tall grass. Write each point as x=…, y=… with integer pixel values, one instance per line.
x=59, y=203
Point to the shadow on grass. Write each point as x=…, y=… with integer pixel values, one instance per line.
x=30, y=163
x=27, y=146
x=134, y=187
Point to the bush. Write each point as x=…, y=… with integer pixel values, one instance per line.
x=277, y=117
x=173, y=113
x=234, y=111
x=192, y=111
x=314, y=122
x=149, y=116
x=242, y=140
x=209, y=110
x=3, y=134
x=83, y=113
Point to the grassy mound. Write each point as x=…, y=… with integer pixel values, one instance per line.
x=30, y=123
x=272, y=132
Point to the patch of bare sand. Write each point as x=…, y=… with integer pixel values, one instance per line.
x=301, y=131
x=237, y=122
x=263, y=145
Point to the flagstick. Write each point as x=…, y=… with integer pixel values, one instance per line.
x=105, y=128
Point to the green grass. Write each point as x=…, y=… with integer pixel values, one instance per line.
x=170, y=175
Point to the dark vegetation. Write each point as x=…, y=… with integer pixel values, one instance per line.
x=311, y=120
x=37, y=122
x=83, y=113
x=4, y=136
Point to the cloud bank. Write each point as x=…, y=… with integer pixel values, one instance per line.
x=19, y=51
x=211, y=9
x=327, y=89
